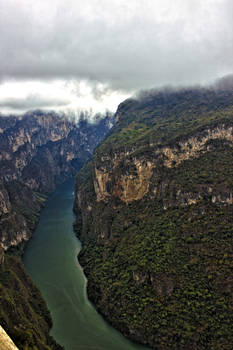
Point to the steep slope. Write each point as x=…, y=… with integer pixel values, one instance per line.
x=38, y=151
x=23, y=312
x=154, y=212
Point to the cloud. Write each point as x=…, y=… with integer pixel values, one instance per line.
x=60, y=95
x=102, y=51
x=32, y=101
x=225, y=83
x=139, y=44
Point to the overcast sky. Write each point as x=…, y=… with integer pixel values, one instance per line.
x=93, y=54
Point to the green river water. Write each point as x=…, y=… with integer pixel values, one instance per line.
x=51, y=260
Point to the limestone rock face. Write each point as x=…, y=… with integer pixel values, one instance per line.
x=5, y=341
x=38, y=151
x=127, y=187
x=194, y=146
x=131, y=178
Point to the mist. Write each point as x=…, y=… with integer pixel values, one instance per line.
x=224, y=84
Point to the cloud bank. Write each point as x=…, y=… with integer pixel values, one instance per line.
x=116, y=45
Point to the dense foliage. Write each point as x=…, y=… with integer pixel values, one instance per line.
x=23, y=312
x=160, y=269
x=165, y=117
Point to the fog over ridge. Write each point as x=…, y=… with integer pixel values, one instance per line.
x=223, y=84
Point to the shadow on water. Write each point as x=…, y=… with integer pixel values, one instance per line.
x=51, y=260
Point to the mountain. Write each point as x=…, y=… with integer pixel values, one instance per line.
x=155, y=215
x=38, y=152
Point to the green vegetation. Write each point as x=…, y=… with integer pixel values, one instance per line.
x=167, y=118
x=23, y=312
x=183, y=261
x=160, y=269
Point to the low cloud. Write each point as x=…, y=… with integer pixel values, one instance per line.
x=59, y=95
x=224, y=84
x=32, y=102
x=126, y=46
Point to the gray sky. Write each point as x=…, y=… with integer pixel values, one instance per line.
x=94, y=53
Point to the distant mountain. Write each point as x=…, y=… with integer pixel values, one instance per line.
x=38, y=151
x=155, y=215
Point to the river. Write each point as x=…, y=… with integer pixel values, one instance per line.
x=51, y=260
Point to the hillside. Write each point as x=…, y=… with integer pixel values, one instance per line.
x=154, y=213
x=38, y=152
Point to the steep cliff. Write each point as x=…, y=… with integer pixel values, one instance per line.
x=38, y=151
x=154, y=212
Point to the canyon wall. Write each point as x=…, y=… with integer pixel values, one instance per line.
x=38, y=152
x=154, y=212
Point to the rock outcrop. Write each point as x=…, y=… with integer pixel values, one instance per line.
x=5, y=341
x=130, y=177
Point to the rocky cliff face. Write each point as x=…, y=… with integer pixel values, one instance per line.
x=5, y=341
x=131, y=177
x=38, y=152
x=154, y=212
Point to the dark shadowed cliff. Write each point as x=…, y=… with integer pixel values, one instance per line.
x=154, y=212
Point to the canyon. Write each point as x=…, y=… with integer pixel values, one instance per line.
x=153, y=211
x=39, y=151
